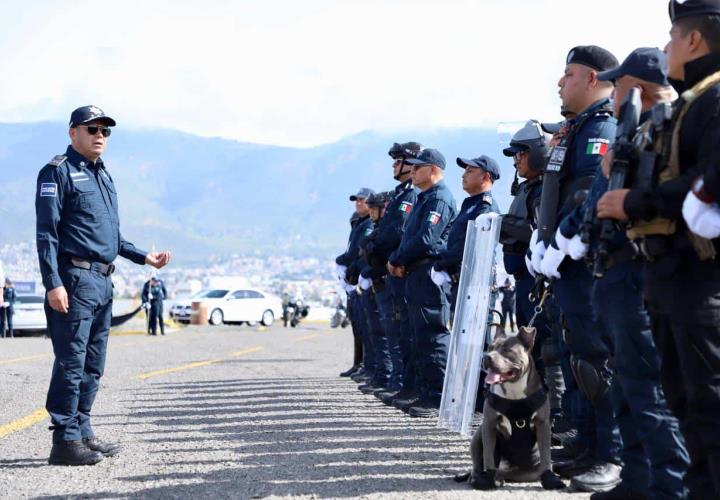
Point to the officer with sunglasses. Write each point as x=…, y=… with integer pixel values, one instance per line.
x=78, y=238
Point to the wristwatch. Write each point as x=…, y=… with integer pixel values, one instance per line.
x=698, y=189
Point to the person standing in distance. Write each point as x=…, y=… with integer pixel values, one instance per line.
x=78, y=238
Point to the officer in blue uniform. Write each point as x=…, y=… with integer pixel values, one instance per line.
x=477, y=181
x=78, y=238
x=377, y=300
x=153, y=294
x=425, y=238
x=653, y=453
x=590, y=133
x=352, y=313
x=361, y=228
x=529, y=148
x=386, y=239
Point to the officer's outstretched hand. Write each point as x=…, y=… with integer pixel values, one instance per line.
x=58, y=299
x=157, y=259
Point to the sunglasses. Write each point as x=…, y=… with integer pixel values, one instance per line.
x=94, y=129
x=401, y=162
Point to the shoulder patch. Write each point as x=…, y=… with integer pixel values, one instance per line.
x=57, y=160
x=405, y=207
x=48, y=189
x=597, y=146
x=434, y=218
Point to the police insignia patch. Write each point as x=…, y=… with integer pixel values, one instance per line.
x=597, y=146
x=434, y=218
x=368, y=231
x=48, y=189
x=405, y=206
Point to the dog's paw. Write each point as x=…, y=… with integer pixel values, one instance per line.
x=484, y=480
x=551, y=481
x=462, y=478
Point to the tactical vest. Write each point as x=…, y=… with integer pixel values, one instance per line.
x=660, y=226
x=519, y=212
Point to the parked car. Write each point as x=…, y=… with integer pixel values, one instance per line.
x=180, y=310
x=242, y=305
x=29, y=313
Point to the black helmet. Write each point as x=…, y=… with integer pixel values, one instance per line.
x=533, y=139
x=405, y=150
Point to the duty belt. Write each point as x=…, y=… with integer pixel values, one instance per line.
x=651, y=248
x=105, y=269
x=417, y=264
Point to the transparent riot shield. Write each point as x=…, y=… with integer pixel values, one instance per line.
x=470, y=327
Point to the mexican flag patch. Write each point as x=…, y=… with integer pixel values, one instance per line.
x=405, y=207
x=597, y=147
x=434, y=218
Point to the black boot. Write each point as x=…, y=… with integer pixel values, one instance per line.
x=73, y=453
x=107, y=449
x=576, y=466
x=424, y=409
x=350, y=371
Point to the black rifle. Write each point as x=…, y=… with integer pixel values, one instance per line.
x=625, y=155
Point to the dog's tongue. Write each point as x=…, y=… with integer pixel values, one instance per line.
x=493, y=378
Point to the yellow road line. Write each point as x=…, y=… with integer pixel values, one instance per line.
x=307, y=337
x=26, y=358
x=196, y=364
x=22, y=423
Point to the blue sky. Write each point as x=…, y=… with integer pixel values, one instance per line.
x=304, y=72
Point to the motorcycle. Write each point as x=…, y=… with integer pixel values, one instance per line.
x=340, y=318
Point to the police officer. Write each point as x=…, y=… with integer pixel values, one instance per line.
x=425, y=238
x=377, y=301
x=153, y=294
x=682, y=275
x=529, y=149
x=78, y=238
x=7, y=309
x=578, y=156
x=360, y=228
x=507, y=303
x=477, y=181
x=386, y=239
x=352, y=314
x=653, y=453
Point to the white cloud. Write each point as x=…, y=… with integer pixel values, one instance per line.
x=302, y=73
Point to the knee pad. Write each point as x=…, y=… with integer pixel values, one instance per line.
x=590, y=379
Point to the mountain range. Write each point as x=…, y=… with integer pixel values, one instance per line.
x=207, y=196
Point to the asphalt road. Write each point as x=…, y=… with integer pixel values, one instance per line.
x=230, y=412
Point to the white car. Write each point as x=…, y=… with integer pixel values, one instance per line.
x=180, y=310
x=242, y=305
x=29, y=313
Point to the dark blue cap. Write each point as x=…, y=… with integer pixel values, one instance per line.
x=87, y=114
x=363, y=194
x=646, y=63
x=428, y=156
x=679, y=9
x=593, y=57
x=484, y=162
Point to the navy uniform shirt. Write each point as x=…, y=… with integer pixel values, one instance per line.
x=77, y=216
x=388, y=233
x=427, y=228
x=592, y=133
x=361, y=229
x=451, y=259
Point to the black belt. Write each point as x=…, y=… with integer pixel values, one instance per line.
x=629, y=251
x=417, y=264
x=105, y=269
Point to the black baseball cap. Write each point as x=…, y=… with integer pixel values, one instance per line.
x=428, y=156
x=363, y=194
x=86, y=114
x=593, y=57
x=679, y=9
x=646, y=63
x=484, y=162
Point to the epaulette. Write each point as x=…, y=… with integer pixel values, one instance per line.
x=487, y=198
x=57, y=160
